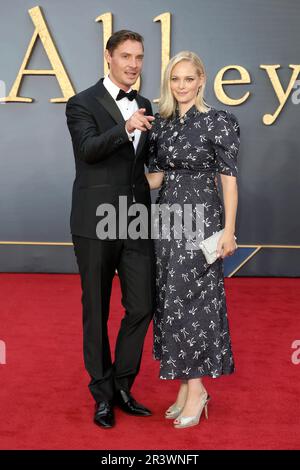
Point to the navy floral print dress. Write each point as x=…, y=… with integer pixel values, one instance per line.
x=191, y=332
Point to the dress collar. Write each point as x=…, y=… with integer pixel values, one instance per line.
x=192, y=111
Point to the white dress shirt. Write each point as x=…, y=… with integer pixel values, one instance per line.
x=126, y=107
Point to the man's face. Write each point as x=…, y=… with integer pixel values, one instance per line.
x=125, y=63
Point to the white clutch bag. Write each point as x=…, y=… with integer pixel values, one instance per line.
x=209, y=246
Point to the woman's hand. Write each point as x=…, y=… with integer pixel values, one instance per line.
x=226, y=245
x=155, y=179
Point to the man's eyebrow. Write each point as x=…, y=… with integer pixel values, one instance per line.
x=128, y=53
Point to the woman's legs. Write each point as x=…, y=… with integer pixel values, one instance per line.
x=196, y=393
x=179, y=403
x=182, y=393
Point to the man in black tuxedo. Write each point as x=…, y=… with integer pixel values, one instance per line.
x=109, y=126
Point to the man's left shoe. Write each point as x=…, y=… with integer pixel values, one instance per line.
x=128, y=404
x=104, y=414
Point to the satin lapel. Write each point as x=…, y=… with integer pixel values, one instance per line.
x=108, y=103
x=106, y=100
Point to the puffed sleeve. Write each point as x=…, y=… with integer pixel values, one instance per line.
x=154, y=165
x=226, y=142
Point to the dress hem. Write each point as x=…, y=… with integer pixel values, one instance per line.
x=198, y=375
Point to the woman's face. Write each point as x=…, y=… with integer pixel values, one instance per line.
x=185, y=82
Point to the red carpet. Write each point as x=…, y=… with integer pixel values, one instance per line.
x=45, y=403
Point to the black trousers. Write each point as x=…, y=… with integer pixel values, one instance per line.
x=97, y=261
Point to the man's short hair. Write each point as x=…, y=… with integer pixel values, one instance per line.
x=121, y=36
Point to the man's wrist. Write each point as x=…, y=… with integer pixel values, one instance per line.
x=129, y=134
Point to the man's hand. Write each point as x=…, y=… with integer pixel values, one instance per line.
x=139, y=121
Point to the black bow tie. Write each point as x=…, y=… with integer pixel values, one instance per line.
x=122, y=94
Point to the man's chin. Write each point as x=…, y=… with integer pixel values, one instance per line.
x=131, y=81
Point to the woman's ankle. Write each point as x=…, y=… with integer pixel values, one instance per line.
x=195, y=388
x=182, y=393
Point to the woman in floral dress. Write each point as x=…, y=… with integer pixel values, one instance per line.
x=190, y=143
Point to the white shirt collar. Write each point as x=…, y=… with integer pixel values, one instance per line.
x=111, y=87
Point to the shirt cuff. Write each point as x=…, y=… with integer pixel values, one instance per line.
x=130, y=135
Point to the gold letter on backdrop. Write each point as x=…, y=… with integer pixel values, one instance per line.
x=165, y=19
x=107, y=21
x=41, y=31
x=219, y=82
x=281, y=95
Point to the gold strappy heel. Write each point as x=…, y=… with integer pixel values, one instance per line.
x=189, y=421
x=173, y=412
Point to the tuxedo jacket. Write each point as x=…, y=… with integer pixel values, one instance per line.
x=107, y=165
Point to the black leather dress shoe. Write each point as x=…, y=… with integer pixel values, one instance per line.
x=128, y=404
x=104, y=414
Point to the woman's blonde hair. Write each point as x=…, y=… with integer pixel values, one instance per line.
x=167, y=102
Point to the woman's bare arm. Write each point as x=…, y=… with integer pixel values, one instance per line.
x=155, y=179
x=227, y=244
